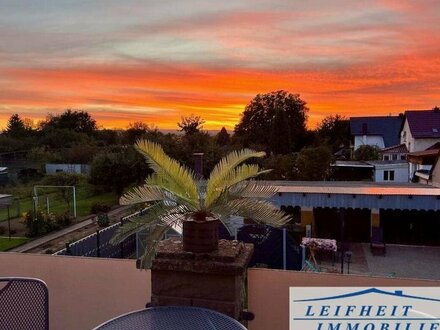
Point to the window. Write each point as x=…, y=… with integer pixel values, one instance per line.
x=394, y=156
x=386, y=157
x=388, y=175
x=402, y=157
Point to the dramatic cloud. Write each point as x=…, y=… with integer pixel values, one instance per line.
x=158, y=60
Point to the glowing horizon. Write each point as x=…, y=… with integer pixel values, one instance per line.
x=158, y=61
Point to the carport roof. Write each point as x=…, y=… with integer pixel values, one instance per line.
x=5, y=200
x=356, y=188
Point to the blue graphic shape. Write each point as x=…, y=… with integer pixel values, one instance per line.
x=398, y=293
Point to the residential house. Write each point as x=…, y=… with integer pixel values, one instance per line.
x=420, y=131
x=382, y=171
x=381, y=131
x=398, y=152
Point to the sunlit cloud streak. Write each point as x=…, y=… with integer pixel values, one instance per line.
x=158, y=61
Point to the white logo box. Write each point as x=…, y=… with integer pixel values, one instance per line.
x=364, y=308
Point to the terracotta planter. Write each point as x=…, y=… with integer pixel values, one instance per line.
x=200, y=237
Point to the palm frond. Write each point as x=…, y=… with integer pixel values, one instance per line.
x=150, y=217
x=227, y=173
x=170, y=194
x=260, y=211
x=253, y=189
x=142, y=194
x=172, y=175
x=153, y=238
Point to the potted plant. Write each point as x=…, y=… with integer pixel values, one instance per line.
x=176, y=197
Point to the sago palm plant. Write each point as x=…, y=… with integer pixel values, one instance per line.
x=174, y=195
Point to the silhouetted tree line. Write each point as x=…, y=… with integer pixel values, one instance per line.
x=274, y=122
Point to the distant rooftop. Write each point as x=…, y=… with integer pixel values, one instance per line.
x=398, y=149
x=386, y=126
x=424, y=123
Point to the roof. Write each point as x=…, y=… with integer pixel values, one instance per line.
x=398, y=149
x=368, y=164
x=386, y=126
x=351, y=163
x=424, y=123
x=355, y=188
x=5, y=200
x=426, y=157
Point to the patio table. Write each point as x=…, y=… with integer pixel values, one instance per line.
x=173, y=318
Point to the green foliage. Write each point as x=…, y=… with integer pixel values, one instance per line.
x=117, y=170
x=280, y=142
x=191, y=125
x=283, y=167
x=335, y=130
x=39, y=223
x=16, y=127
x=313, y=163
x=259, y=115
x=7, y=244
x=72, y=120
x=223, y=138
x=367, y=152
x=103, y=220
x=98, y=208
x=135, y=132
x=176, y=195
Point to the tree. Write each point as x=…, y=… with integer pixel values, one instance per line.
x=223, y=138
x=335, y=130
x=74, y=120
x=191, y=125
x=118, y=169
x=367, y=152
x=16, y=127
x=313, y=163
x=260, y=112
x=135, y=132
x=176, y=196
x=280, y=134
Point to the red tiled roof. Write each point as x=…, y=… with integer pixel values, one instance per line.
x=399, y=149
x=424, y=123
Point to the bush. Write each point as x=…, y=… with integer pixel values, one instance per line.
x=98, y=208
x=39, y=223
x=103, y=220
x=2, y=230
x=63, y=220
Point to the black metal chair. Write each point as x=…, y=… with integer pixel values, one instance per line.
x=24, y=304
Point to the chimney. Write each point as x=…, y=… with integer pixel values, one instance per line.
x=198, y=163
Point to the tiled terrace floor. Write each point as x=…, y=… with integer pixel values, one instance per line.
x=400, y=261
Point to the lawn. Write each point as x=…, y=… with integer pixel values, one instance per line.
x=6, y=243
x=85, y=200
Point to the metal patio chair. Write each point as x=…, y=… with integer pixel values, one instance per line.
x=24, y=304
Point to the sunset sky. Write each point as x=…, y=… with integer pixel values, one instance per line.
x=158, y=60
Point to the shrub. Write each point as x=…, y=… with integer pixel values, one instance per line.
x=39, y=223
x=98, y=208
x=63, y=220
x=103, y=220
x=2, y=230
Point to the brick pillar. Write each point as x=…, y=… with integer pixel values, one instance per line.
x=214, y=280
x=307, y=217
